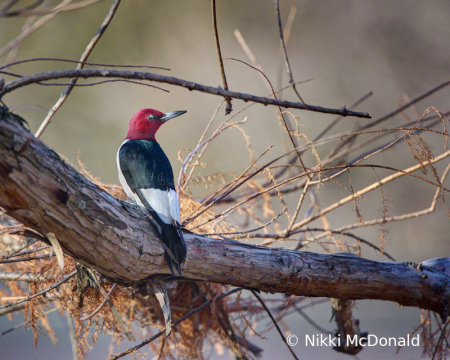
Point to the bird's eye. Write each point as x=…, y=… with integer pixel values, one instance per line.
x=151, y=117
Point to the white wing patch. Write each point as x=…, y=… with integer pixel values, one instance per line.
x=174, y=206
x=164, y=202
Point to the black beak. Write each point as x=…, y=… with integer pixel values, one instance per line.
x=171, y=115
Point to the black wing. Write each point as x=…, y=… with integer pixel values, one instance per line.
x=145, y=165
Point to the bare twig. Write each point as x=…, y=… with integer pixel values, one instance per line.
x=342, y=201
x=138, y=75
x=186, y=182
x=7, y=5
x=38, y=12
x=28, y=277
x=407, y=105
x=103, y=82
x=229, y=188
x=247, y=231
x=83, y=62
x=229, y=107
x=274, y=322
x=25, y=259
x=43, y=291
x=280, y=113
x=84, y=56
x=288, y=66
x=277, y=237
x=34, y=5
x=179, y=321
x=388, y=219
x=192, y=153
x=369, y=188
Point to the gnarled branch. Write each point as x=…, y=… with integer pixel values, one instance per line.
x=139, y=75
x=46, y=194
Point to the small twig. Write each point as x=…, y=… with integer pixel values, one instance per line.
x=163, y=342
x=328, y=159
x=204, y=143
x=186, y=182
x=103, y=82
x=84, y=56
x=62, y=281
x=274, y=322
x=277, y=237
x=288, y=66
x=369, y=188
x=28, y=277
x=179, y=321
x=5, y=13
x=229, y=188
x=249, y=54
x=440, y=339
x=7, y=5
x=229, y=108
x=26, y=252
x=299, y=205
x=95, y=312
x=139, y=75
x=397, y=217
x=39, y=12
x=83, y=62
x=342, y=201
x=280, y=114
x=248, y=231
x=25, y=259
x=407, y=105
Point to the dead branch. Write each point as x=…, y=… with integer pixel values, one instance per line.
x=179, y=321
x=138, y=75
x=44, y=193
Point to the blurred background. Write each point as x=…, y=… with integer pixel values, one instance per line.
x=397, y=49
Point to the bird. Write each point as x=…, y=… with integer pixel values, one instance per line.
x=146, y=176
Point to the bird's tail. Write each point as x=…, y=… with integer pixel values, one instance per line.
x=174, y=246
x=175, y=250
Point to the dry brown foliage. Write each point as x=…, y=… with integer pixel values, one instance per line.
x=237, y=206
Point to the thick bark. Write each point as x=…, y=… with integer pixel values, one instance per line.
x=46, y=194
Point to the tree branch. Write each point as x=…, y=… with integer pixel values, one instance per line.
x=46, y=194
x=139, y=75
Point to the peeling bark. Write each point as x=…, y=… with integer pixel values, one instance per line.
x=46, y=194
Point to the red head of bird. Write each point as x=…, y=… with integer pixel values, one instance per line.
x=145, y=123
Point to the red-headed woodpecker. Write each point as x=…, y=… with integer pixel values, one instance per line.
x=147, y=178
